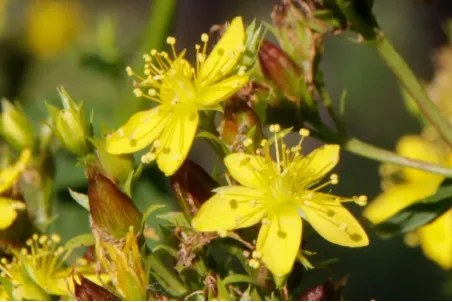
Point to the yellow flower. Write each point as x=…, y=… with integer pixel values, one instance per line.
x=413, y=185
x=38, y=271
x=125, y=267
x=181, y=92
x=52, y=26
x=277, y=194
x=8, y=176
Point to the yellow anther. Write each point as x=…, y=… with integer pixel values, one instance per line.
x=361, y=200
x=153, y=52
x=197, y=46
x=148, y=158
x=23, y=251
x=254, y=263
x=152, y=92
x=35, y=237
x=246, y=254
x=222, y=234
x=138, y=93
x=147, y=57
x=304, y=132
x=171, y=40
x=204, y=37
x=257, y=254
x=334, y=178
x=275, y=128
x=248, y=142
x=4, y=261
x=43, y=239
x=129, y=71
x=264, y=143
x=55, y=238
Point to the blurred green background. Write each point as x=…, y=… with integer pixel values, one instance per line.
x=94, y=40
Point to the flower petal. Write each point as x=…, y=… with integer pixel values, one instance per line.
x=416, y=147
x=279, y=242
x=335, y=223
x=316, y=164
x=9, y=213
x=9, y=175
x=177, y=139
x=231, y=208
x=436, y=240
x=246, y=169
x=225, y=54
x=139, y=131
x=213, y=94
x=395, y=199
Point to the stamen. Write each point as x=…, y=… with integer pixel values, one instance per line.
x=361, y=200
x=129, y=71
x=334, y=179
x=254, y=263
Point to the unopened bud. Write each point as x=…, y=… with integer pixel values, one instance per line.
x=112, y=211
x=239, y=123
x=90, y=291
x=115, y=166
x=278, y=67
x=15, y=127
x=192, y=187
x=254, y=37
x=70, y=124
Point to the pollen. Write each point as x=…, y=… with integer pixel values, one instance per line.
x=254, y=263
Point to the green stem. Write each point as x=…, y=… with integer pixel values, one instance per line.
x=415, y=89
x=154, y=35
x=363, y=149
x=172, y=281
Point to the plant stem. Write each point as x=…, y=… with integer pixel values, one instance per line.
x=358, y=147
x=170, y=278
x=160, y=17
x=415, y=89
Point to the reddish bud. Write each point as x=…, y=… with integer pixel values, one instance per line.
x=192, y=187
x=328, y=291
x=90, y=291
x=278, y=67
x=239, y=122
x=112, y=211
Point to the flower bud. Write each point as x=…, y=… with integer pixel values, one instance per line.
x=15, y=127
x=90, y=291
x=239, y=123
x=328, y=291
x=70, y=124
x=112, y=211
x=117, y=167
x=278, y=67
x=192, y=187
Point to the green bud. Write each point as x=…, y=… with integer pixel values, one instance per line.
x=239, y=123
x=117, y=167
x=15, y=127
x=90, y=291
x=70, y=124
x=278, y=67
x=192, y=187
x=112, y=211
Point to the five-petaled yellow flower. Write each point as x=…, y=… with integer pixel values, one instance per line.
x=278, y=194
x=181, y=92
x=8, y=176
x=413, y=185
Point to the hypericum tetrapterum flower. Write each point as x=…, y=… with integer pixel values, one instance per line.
x=181, y=92
x=8, y=176
x=279, y=194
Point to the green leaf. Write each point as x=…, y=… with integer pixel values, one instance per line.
x=151, y=209
x=175, y=219
x=418, y=214
x=79, y=241
x=7, y=286
x=166, y=248
x=210, y=136
x=237, y=278
x=81, y=199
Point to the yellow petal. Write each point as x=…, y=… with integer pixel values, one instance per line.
x=225, y=54
x=230, y=208
x=279, y=241
x=213, y=94
x=436, y=240
x=395, y=199
x=246, y=169
x=177, y=139
x=335, y=223
x=8, y=213
x=316, y=164
x=139, y=131
x=416, y=147
x=9, y=175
